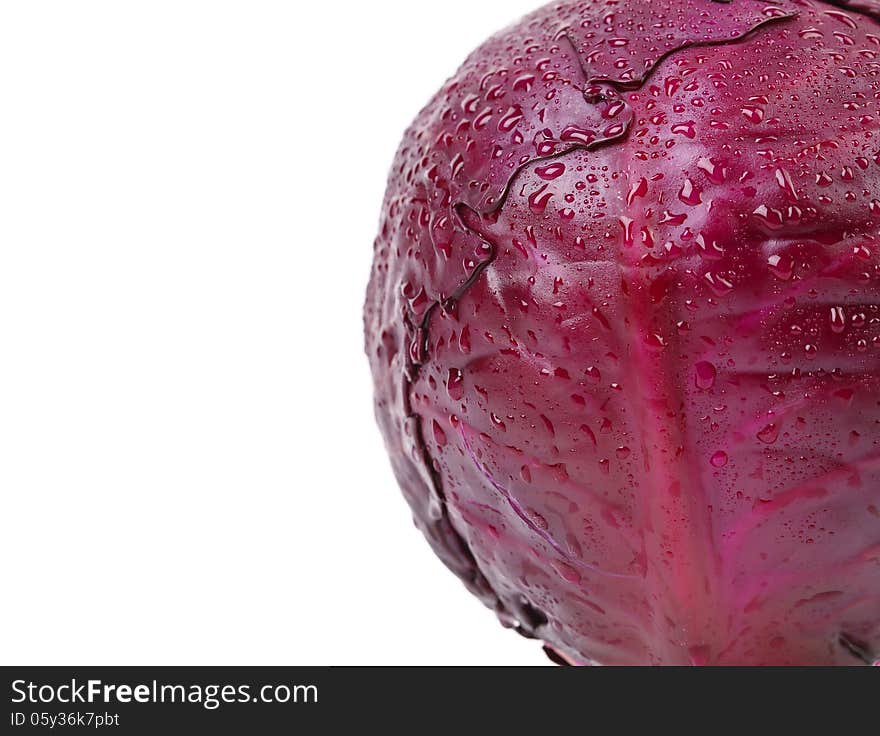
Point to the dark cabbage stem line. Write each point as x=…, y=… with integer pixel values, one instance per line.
x=630, y=85
x=528, y=617
x=857, y=648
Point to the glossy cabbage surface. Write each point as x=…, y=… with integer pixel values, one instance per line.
x=624, y=325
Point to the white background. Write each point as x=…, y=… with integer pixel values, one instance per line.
x=189, y=467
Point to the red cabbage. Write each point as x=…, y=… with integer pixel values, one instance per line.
x=624, y=326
